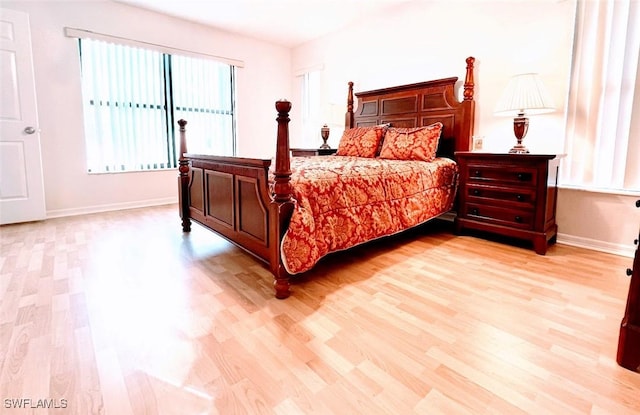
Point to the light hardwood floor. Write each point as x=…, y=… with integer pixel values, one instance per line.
x=120, y=313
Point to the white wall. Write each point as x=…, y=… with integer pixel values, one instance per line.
x=266, y=77
x=424, y=40
x=606, y=222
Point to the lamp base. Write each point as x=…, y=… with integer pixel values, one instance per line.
x=519, y=149
x=520, y=127
x=324, y=133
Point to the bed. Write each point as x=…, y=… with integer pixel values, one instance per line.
x=263, y=206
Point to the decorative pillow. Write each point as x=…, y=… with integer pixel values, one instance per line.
x=418, y=143
x=361, y=141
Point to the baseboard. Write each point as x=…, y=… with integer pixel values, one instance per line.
x=602, y=246
x=59, y=213
x=608, y=247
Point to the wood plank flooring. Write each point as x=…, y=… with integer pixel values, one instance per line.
x=120, y=313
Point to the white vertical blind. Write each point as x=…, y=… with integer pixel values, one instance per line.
x=311, y=112
x=124, y=107
x=603, y=119
x=133, y=96
x=201, y=95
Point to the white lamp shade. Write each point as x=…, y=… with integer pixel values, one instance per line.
x=525, y=95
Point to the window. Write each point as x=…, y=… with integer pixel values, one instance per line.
x=311, y=106
x=133, y=98
x=603, y=117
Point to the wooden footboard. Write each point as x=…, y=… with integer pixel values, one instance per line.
x=231, y=196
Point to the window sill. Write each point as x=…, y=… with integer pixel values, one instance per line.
x=613, y=192
x=98, y=173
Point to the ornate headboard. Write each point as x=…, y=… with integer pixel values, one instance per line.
x=420, y=104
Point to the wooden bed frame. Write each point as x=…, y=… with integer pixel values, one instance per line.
x=232, y=196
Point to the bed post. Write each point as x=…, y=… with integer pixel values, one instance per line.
x=183, y=179
x=348, y=118
x=282, y=205
x=465, y=141
x=282, y=188
x=468, y=80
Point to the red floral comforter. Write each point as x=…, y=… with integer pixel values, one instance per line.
x=341, y=202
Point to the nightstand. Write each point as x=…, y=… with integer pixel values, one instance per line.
x=512, y=195
x=296, y=152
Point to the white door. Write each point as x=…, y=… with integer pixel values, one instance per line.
x=21, y=181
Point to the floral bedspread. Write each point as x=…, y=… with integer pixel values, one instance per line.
x=342, y=201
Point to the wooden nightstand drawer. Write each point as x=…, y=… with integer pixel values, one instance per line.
x=518, y=197
x=522, y=219
x=490, y=173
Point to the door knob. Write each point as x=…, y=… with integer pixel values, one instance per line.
x=29, y=130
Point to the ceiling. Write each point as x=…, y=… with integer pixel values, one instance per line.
x=284, y=22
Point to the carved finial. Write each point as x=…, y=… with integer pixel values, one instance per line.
x=283, y=107
x=348, y=118
x=468, y=80
x=183, y=137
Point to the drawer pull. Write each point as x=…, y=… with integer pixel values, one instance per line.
x=518, y=219
x=629, y=272
x=519, y=198
x=521, y=176
x=476, y=192
x=477, y=173
x=475, y=211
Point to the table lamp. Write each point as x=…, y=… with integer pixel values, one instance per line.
x=525, y=95
x=324, y=133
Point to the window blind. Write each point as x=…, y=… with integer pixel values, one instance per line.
x=134, y=96
x=210, y=115
x=311, y=110
x=125, y=108
x=603, y=117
